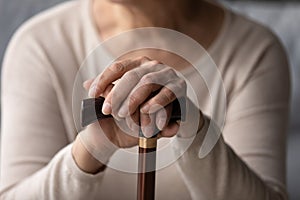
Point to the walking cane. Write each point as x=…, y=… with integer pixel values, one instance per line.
x=91, y=111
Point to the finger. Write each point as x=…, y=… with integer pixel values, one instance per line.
x=125, y=85
x=133, y=123
x=163, y=116
x=136, y=98
x=105, y=94
x=170, y=130
x=87, y=84
x=110, y=74
x=107, y=90
x=149, y=83
x=113, y=73
x=147, y=124
x=165, y=96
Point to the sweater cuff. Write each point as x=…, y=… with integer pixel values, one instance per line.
x=76, y=172
x=97, y=143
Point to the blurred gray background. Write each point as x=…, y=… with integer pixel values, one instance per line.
x=283, y=17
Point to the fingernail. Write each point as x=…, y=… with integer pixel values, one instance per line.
x=161, y=124
x=145, y=108
x=92, y=91
x=106, y=109
x=148, y=132
x=123, y=112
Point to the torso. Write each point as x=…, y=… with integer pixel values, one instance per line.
x=76, y=39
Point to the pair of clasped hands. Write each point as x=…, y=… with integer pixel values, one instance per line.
x=127, y=86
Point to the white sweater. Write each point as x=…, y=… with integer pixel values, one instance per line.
x=41, y=62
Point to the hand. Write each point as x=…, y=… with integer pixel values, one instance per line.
x=94, y=145
x=115, y=130
x=138, y=79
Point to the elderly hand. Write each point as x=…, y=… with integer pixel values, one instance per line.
x=132, y=102
x=136, y=80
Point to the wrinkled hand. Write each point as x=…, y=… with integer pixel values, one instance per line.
x=138, y=92
x=135, y=81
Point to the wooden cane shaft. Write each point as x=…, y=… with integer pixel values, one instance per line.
x=146, y=175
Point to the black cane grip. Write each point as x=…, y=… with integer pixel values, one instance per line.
x=91, y=110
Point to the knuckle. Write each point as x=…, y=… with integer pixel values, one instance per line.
x=131, y=75
x=151, y=64
x=169, y=95
x=117, y=67
x=171, y=71
x=182, y=83
x=157, y=62
x=154, y=62
x=147, y=79
x=97, y=86
x=133, y=99
x=137, y=74
x=143, y=59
